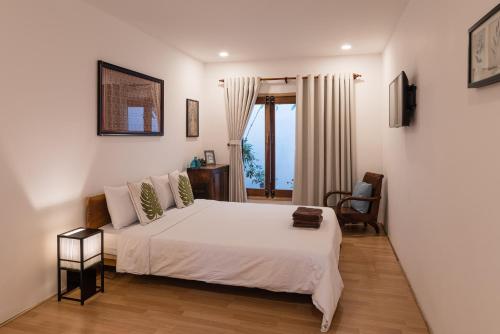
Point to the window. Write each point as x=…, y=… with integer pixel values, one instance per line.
x=269, y=147
x=135, y=119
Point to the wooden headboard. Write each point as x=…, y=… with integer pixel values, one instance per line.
x=96, y=214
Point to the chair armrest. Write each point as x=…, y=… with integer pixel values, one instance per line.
x=335, y=192
x=354, y=198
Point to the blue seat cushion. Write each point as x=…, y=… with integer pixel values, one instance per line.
x=361, y=189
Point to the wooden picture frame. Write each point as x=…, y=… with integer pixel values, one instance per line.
x=484, y=50
x=210, y=157
x=192, y=118
x=129, y=103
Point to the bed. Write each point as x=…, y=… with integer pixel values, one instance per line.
x=239, y=244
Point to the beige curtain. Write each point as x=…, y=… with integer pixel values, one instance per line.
x=239, y=95
x=323, y=147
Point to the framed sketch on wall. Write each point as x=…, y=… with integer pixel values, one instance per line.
x=192, y=118
x=484, y=50
x=129, y=103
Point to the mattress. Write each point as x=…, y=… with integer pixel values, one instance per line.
x=110, y=238
x=241, y=244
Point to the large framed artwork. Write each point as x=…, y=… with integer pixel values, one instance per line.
x=129, y=103
x=484, y=50
x=192, y=118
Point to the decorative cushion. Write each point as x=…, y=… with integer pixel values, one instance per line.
x=120, y=206
x=162, y=187
x=361, y=189
x=181, y=188
x=146, y=202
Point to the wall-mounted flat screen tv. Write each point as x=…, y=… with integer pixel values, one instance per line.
x=401, y=101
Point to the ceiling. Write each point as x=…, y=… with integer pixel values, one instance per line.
x=262, y=29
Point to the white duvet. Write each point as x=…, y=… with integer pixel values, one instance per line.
x=251, y=245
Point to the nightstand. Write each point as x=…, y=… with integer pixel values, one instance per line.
x=79, y=253
x=210, y=182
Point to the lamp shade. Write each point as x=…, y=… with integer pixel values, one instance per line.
x=80, y=246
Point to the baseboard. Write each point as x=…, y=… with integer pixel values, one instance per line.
x=26, y=310
x=108, y=267
x=411, y=287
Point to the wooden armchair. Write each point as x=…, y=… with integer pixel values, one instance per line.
x=347, y=215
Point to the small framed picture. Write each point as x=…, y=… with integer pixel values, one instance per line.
x=484, y=50
x=192, y=118
x=210, y=157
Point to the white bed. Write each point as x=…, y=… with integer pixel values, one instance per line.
x=110, y=239
x=251, y=245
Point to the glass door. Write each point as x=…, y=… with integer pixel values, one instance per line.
x=284, y=166
x=254, y=150
x=269, y=147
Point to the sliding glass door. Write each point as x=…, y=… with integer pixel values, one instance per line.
x=269, y=147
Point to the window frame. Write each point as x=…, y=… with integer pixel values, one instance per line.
x=269, y=189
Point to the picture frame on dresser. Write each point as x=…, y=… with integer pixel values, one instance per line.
x=129, y=103
x=484, y=50
x=210, y=157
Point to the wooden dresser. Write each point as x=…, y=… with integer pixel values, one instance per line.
x=210, y=182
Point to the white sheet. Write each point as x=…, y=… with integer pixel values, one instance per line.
x=251, y=245
x=109, y=239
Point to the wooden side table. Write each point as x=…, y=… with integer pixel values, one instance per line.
x=210, y=182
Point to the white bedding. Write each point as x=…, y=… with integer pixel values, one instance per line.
x=251, y=245
x=110, y=238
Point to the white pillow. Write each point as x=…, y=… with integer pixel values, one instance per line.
x=120, y=206
x=181, y=189
x=145, y=200
x=162, y=187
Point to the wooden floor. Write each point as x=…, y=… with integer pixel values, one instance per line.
x=376, y=299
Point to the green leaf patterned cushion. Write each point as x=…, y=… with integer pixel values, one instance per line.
x=146, y=202
x=181, y=188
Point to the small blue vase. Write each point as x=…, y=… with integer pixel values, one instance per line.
x=195, y=163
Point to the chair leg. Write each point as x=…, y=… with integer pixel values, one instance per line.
x=365, y=225
x=375, y=226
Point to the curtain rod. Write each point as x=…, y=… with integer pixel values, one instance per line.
x=354, y=76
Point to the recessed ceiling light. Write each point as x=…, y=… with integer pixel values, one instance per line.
x=223, y=54
x=346, y=47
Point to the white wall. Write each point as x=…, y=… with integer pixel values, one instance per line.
x=368, y=118
x=50, y=155
x=443, y=171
